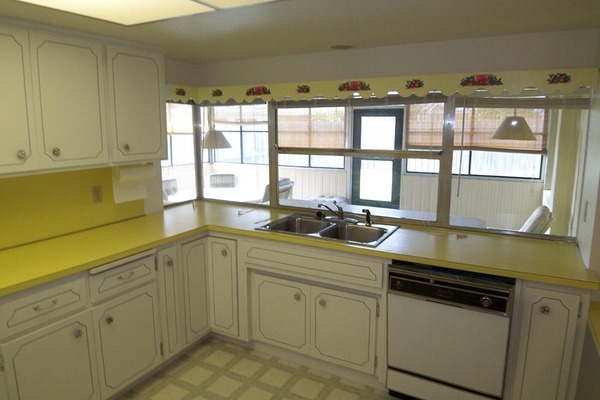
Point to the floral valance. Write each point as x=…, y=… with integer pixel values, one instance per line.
x=546, y=82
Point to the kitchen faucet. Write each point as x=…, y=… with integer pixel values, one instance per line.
x=339, y=213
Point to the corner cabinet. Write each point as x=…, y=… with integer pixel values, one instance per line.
x=550, y=339
x=137, y=116
x=68, y=82
x=170, y=287
x=17, y=133
x=193, y=258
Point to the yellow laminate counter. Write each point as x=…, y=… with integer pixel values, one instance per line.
x=546, y=261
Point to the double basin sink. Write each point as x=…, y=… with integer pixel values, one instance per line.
x=332, y=229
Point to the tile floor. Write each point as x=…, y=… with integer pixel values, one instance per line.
x=217, y=370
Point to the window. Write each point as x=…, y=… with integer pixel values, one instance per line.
x=476, y=153
x=241, y=171
x=179, y=170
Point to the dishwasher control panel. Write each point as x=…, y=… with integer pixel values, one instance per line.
x=452, y=287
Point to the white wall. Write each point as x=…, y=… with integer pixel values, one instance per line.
x=572, y=49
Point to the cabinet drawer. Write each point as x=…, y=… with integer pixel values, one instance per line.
x=37, y=306
x=119, y=277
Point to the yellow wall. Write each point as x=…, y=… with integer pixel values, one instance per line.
x=42, y=206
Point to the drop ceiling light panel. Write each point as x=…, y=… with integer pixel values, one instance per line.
x=132, y=12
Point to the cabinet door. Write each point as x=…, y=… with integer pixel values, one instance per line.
x=222, y=286
x=194, y=289
x=344, y=328
x=170, y=304
x=548, y=328
x=127, y=334
x=17, y=137
x=137, y=105
x=68, y=81
x=55, y=362
x=281, y=313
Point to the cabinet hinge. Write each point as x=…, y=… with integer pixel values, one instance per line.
x=580, y=308
x=376, y=361
x=377, y=310
x=162, y=350
x=1, y=363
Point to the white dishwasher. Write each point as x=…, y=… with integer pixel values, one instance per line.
x=448, y=333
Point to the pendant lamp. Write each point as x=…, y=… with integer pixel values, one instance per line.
x=214, y=139
x=514, y=128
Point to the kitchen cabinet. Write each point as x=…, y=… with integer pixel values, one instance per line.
x=17, y=128
x=222, y=286
x=194, y=290
x=548, y=341
x=281, y=312
x=55, y=362
x=69, y=90
x=137, y=111
x=128, y=339
x=170, y=290
x=316, y=321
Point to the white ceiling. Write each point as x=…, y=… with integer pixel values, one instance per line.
x=289, y=27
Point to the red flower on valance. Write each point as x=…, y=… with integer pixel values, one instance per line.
x=481, y=80
x=258, y=91
x=303, y=89
x=414, y=84
x=180, y=92
x=351, y=86
x=217, y=93
x=560, y=77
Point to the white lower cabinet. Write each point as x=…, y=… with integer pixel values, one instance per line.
x=170, y=289
x=55, y=362
x=127, y=337
x=548, y=344
x=222, y=286
x=193, y=259
x=329, y=324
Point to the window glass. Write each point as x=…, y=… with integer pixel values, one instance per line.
x=179, y=170
x=238, y=173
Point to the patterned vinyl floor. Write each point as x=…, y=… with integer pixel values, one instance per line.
x=217, y=370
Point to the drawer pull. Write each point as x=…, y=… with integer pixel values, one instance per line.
x=122, y=278
x=40, y=307
x=545, y=310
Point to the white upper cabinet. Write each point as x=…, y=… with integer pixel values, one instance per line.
x=17, y=133
x=136, y=105
x=68, y=82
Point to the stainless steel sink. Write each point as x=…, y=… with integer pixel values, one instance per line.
x=354, y=233
x=331, y=229
x=298, y=224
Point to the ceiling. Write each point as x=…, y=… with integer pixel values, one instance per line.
x=289, y=27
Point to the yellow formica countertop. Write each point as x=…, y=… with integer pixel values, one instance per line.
x=547, y=261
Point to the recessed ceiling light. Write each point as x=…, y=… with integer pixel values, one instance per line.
x=132, y=12
x=342, y=46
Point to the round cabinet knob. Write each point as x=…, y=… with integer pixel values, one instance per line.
x=486, y=302
x=169, y=263
x=224, y=253
x=545, y=310
x=297, y=297
x=109, y=320
x=21, y=154
x=78, y=333
x=56, y=151
x=323, y=303
x=126, y=147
